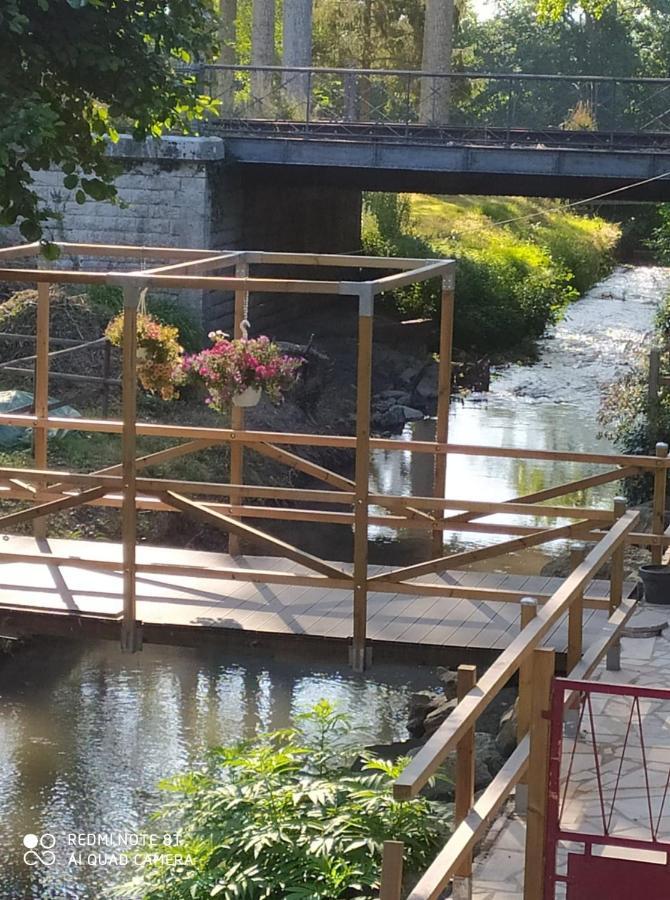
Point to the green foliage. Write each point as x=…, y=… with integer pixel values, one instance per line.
x=626, y=416
x=659, y=242
x=515, y=274
x=71, y=71
x=284, y=817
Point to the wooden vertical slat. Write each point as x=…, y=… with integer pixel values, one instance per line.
x=361, y=491
x=41, y=393
x=443, y=402
x=538, y=768
x=658, y=521
x=575, y=631
x=528, y=611
x=237, y=412
x=130, y=636
x=390, y=886
x=465, y=783
x=616, y=589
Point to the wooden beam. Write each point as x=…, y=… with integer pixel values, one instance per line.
x=538, y=770
x=362, y=486
x=465, y=775
x=130, y=633
x=395, y=504
x=390, y=887
x=432, y=754
x=237, y=412
x=658, y=509
x=203, y=514
x=560, y=490
x=41, y=392
x=227, y=435
x=443, y=402
x=435, y=880
x=53, y=506
x=468, y=556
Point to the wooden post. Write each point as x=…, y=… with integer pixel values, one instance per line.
x=528, y=611
x=361, y=491
x=653, y=399
x=390, y=886
x=443, y=401
x=237, y=412
x=41, y=393
x=131, y=638
x=660, y=486
x=538, y=767
x=465, y=785
x=616, y=588
x=106, y=372
x=575, y=631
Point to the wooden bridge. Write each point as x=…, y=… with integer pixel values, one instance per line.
x=163, y=594
x=440, y=609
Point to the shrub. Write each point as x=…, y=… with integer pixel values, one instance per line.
x=283, y=817
x=515, y=275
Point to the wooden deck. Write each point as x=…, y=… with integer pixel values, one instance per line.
x=38, y=598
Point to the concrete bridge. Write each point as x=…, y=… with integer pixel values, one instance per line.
x=285, y=163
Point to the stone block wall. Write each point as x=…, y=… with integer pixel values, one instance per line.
x=182, y=192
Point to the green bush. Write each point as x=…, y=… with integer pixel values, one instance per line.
x=284, y=817
x=626, y=416
x=515, y=274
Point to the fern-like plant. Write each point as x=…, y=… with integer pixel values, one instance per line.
x=284, y=817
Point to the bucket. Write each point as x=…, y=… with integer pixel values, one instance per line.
x=248, y=397
x=656, y=581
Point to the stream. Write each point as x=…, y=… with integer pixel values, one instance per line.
x=86, y=733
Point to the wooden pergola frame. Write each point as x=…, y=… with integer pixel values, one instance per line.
x=224, y=505
x=197, y=269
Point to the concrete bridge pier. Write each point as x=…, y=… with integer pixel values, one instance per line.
x=184, y=192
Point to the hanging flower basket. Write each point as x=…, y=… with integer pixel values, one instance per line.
x=159, y=354
x=250, y=396
x=238, y=371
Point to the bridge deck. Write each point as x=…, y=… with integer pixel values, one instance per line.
x=43, y=598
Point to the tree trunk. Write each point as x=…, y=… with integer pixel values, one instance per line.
x=262, y=54
x=227, y=55
x=438, y=35
x=297, y=51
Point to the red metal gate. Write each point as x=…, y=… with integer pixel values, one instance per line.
x=608, y=822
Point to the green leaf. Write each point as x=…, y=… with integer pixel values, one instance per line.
x=80, y=197
x=49, y=251
x=30, y=230
x=71, y=181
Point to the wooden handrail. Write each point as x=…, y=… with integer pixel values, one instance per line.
x=346, y=442
x=467, y=834
x=435, y=750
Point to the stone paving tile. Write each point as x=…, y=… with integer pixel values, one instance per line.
x=498, y=872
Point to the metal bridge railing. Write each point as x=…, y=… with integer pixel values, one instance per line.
x=398, y=101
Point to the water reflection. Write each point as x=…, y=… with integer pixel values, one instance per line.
x=86, y=733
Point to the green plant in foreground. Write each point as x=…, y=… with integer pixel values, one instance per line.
x=284, y=817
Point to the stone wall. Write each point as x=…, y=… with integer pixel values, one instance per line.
x=182, y=192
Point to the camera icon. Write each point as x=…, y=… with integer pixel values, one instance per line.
x=39, y=849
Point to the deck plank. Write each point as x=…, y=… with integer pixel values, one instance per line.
x=277, y=609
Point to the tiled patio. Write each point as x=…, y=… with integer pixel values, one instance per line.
x=629, y=802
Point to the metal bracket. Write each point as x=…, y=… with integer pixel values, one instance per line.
x=366, y=300
x=449, y=278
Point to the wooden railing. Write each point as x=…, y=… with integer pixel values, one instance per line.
x=534, y=664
